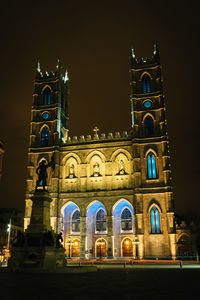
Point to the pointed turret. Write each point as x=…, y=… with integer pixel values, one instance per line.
x=38, y=66
x=156, y=52
x=66, y=78
x=59, y=67
x=132, y=57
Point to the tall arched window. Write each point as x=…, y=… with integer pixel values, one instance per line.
x=47, y=96
x=151, y=166
x=45, y=136
x=76, y=221
x=146, y=88
x=126, y=220
x=155, y=220
x=101, y=220
x=148, y=125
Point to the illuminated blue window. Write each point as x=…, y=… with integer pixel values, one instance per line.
x=151, y=166
x=148, y=125
x=101, y=220
x=146, y=88
x=147, y=104
x=76, y=221
x=155, y=220
x=45, y=115
x=45, y=136
x=126, y=220
x=47, y=96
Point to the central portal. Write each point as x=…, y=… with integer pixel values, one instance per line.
x=127, y=247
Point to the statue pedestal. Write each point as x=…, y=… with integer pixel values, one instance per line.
x=38, y=248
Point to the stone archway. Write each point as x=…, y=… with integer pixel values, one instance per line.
x=75, y=252
x=127, y=247
x=184, y=247
x=101, y=248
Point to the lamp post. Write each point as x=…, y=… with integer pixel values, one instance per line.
x=8, y=244
x=100, y=243
x=69, y=243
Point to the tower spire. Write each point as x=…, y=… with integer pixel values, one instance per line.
x=38, y=66
x=156, y=51
x=132, y=56
x=66, y=76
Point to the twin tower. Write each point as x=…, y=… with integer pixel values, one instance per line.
x=111, y=193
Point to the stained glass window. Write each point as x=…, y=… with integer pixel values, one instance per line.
x=76, y=221
x=155, y=220
x=101, y=220
x=47, y=96
x=45, y=136
x=45, y=115
x=126, y=220
x=148, y=125
x=151, y=166
x=147, y=104
x=146, y=88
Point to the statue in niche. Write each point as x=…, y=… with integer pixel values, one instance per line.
x=71, y=171
x=121, y=167
x=96, y=171
x=42, y=172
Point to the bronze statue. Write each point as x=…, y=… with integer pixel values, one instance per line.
x=42, y=172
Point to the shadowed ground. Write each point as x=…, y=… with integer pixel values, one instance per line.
x=119, y=283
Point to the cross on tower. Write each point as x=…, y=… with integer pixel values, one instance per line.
x=95, y=129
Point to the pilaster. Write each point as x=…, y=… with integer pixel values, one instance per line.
x=110, y=235
x=82, y=236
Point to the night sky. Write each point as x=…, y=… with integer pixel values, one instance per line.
x=93, y=40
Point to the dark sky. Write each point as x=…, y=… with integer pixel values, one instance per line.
x=93, y=40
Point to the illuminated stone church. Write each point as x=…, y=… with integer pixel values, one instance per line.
x=111, y=193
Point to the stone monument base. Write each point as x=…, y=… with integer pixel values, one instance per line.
x=39, y=248
x=34, y=258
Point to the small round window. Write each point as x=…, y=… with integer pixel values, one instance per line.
x=45, y=115
x=147, y=104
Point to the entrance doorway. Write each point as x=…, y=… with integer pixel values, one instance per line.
x=127, y=247
x=101, y=250
x=75, y=248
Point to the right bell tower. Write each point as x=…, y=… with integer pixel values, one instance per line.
x=151, y=160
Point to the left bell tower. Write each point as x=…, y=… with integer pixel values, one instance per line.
x=48, y=128
x=49, y=117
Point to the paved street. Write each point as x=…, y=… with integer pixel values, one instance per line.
x=116, y=282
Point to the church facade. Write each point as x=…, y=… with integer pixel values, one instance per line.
x=111, y=193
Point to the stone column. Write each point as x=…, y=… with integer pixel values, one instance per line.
x=172, y=237
x=82, y=235
x=141, y=246
x=110, y=236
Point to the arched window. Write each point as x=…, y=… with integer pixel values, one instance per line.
x=126, y=220
x=45, y=136
x=148, y=125
x=151, y=166
x=76, y=221
x=101, y=220
x=146, y=88
x=47, y=96
x=155, y=220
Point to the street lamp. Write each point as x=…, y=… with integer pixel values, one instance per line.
x=100, y=243
x=8, y=244
x=69, y=243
